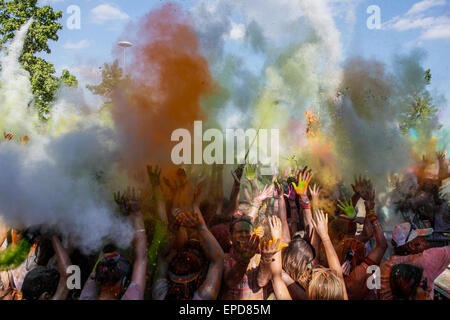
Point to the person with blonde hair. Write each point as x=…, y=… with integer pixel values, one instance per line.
x=326, y=283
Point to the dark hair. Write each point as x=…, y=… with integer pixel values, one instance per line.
x=223, y=236
x=190, y=262
x=404, y=280
x=189, y=259
x=38, y=281
x=109, y=271
x=245, y=219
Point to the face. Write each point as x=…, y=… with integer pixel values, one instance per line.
x=242, y=231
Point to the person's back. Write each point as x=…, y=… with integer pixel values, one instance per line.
x=433, y=262
x=410, y=245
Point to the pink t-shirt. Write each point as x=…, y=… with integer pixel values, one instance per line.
x=433, y=262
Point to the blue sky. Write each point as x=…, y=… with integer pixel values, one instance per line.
x=405, y=25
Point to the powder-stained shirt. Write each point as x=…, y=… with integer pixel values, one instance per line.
x=433, y=262
x=248, y=288
x=91, y=291
x=356, y=284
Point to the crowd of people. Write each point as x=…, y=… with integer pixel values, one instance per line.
x=271, y=238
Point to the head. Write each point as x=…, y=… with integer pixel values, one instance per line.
x=241, y=231
x=112, y=271
x=185, y=271
x=407, y=282
x=222, y=234
x=325, y=284
x=40, y=283
x=296, y=259
x=407, y=239
x=188, y=260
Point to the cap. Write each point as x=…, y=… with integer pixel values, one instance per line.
x=405, y=232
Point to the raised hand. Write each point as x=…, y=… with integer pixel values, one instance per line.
x=320, y=223
x=347, y=208
x=362, y=187
x=250, y=171
x=8, y=136
x=128, y=201
x=237, y=173
x=250, y=247
x=191, y=220
x=265, y=194
x=259, y=232
x=291, y=194
x=154, y=175
x=304, y=178
x=270, y=248
x=275, y=227
x=315, y=192
x=277, y=189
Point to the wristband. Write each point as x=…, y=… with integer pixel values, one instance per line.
x=305, y=204
x=372, y=216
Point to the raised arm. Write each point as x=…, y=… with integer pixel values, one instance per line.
x=269, y=251
x=279, y=287
x=209, y=289
x=63, y=261
x=233, y=276
x=376, y=255
x=162, y=221
x=258, y=200
x=130, y=203
x=320, y=223
x=282, y=213
x=301, y=188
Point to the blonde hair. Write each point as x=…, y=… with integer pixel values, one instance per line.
x=296, y=259
x=325, y=284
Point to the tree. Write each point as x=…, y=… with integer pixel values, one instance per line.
x=112, y=78
x=421, y=114
x=45, y=27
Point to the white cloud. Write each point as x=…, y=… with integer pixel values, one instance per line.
x=440, y=30
x=107, y=12
x=404, y=24
x=77, y=45
x=424, y=5
x=432, y=28
x=237, y=31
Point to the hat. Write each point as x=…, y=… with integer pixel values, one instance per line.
x=405, y=232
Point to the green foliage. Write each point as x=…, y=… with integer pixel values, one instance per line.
x=421, y=112
x=14, y=14
x=68, y=79
x=12, y=257
x=112, y=79
x=428, y=76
